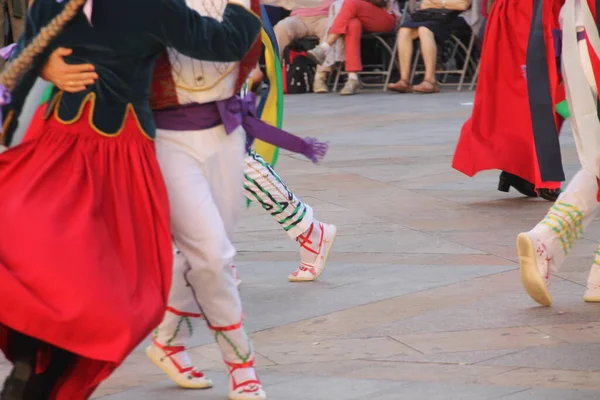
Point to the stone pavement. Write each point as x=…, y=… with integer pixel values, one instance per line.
x=421, y=298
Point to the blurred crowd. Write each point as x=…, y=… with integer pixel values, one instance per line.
x=337, y=31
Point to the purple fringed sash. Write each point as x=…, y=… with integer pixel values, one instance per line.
x=233, y=112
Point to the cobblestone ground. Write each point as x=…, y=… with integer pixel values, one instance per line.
x=421, y=298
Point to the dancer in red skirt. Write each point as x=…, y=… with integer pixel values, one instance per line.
x=514, y=126
x=85, y=244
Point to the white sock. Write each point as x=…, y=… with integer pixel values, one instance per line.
x=325, y=46
x=353, y=75
x=309, y=243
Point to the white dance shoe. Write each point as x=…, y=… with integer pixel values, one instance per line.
x=176, y=363
x=244, y=383
x=534, y=260
x=592, y=290
x=315, y=247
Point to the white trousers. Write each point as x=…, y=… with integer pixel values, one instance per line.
x=570, y=215
x=203, y=172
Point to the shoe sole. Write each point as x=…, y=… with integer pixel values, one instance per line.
x=591, y=299
x=293, y=279
x=175, y=378
x=262, y=396
x=530, y=277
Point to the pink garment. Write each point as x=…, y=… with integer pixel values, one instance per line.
x=322, y=10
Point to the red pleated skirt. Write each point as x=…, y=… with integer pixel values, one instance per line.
x=499, y=134
x=85, y=244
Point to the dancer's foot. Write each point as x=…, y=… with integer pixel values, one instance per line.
x=534, y=260
x=315, y=245
x=592, y=290
x=236, y=276
x=25, y=380
x=521, y=185
x=550, y=194
x=244, y=383
x=18, y=383
x=176, y=363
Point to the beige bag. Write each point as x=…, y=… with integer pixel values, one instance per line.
x=454, y=5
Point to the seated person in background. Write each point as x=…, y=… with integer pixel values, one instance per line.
x=430, y=34
x=301, y=23
x=355, y=17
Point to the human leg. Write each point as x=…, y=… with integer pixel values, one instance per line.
x=264, y=186
x=205, y=202
x=546, y=246
x=170, y=338
x=354, y=18
x=26, y=380
x=317, y=26
x=289, y=29
x=353, y=63
x=348, y=12
x=406, y=37
x=429, y=54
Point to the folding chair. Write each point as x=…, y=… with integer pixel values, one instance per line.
x=456, y=45
x=394, y=56
x=475, y=76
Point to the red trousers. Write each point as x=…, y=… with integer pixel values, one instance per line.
x=354, y=17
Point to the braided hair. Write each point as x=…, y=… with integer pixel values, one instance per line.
x=13, y=71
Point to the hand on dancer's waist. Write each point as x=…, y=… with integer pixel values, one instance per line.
x=71, y=78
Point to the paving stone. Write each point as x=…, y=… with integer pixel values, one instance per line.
x=421, y=298
x=579, y=356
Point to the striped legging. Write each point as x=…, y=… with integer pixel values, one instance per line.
x=264, y=186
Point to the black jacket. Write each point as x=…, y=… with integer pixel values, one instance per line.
x=123, y=42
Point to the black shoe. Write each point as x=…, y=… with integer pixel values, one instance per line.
x=521, y=185
x=24, y=382
x=17, y=384
x=23, y=351
x=550, y=194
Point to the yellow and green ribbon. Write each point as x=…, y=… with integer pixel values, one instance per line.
x=270, y=108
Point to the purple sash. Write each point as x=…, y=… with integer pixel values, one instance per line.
x=232, y=113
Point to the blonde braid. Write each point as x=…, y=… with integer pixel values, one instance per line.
x=14, y=70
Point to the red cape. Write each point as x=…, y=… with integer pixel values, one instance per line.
x=499, y=134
